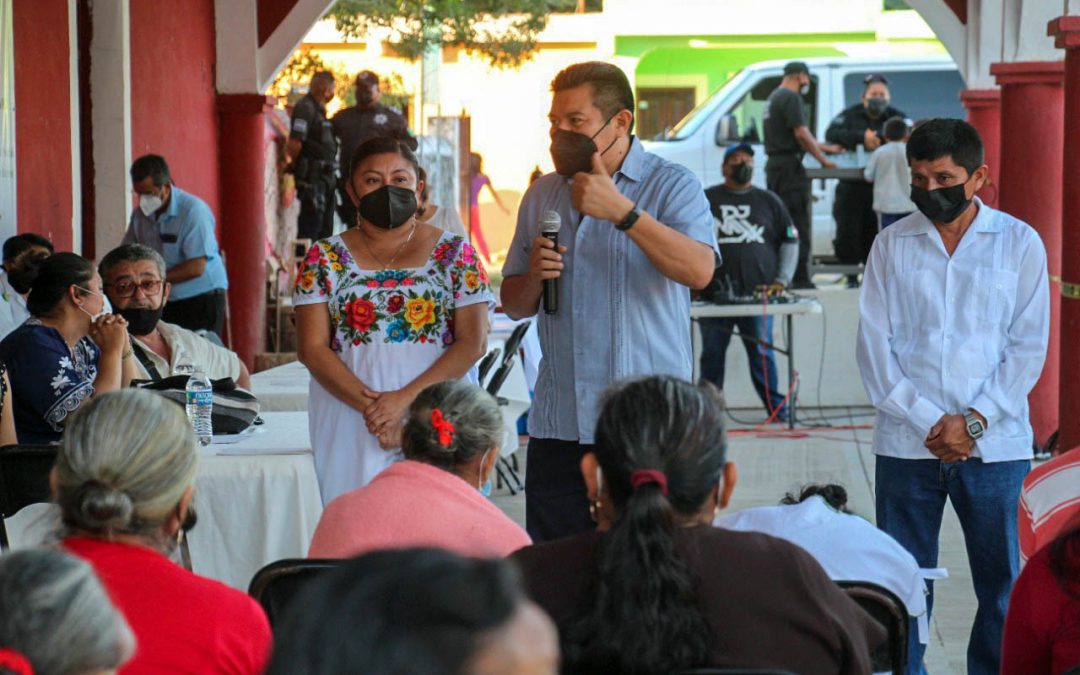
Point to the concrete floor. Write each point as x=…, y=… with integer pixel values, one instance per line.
x=772, y=463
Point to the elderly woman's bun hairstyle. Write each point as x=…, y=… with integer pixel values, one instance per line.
x=451, y=422
x=125, y=461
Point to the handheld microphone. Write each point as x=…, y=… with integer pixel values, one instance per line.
x=550, y=223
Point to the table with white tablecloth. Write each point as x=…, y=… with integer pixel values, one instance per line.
x=256, y=497
x=257, y=500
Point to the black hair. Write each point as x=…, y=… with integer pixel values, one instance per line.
x=833, y=494
x=51, y=277
x=396, y=611
x=645, y=616
x=322, y=77
x=20, y=243
x=946, y=137
x=895, y=129
x=425, y=191
x=366, y=78
x=382, y=145
x=477, y=425
x=153, y=166
x=611, y=90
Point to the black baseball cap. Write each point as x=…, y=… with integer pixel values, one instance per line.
x=795, y=68
x=741, y=147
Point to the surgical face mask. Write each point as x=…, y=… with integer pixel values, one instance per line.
x=943, y=205
x=572, y=151
x=876, y=106
x=141, y=320
x=149, y=203
x=485, y=487
x=106, y=306
x=804, y=89
x=388, y=207
x=742, y=173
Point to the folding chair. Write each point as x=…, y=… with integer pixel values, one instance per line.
x=24, y=480
x=506, y=469
x=889, y=611
x=486, y=363
x=278, y=584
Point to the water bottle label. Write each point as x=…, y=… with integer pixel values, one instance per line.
x=200, y=398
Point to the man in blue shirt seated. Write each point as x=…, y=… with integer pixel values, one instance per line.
x=180, y=227
x=636, y=235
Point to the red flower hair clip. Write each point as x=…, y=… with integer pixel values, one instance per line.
x=443, y=426
x=15, y=662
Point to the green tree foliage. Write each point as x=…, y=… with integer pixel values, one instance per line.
x=504, y=31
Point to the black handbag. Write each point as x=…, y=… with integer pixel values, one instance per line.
x=234, y=410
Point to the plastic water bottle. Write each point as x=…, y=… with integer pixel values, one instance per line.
x=200, y=405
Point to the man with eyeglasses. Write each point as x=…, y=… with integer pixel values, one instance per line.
x=134, y=279
x=180, y=227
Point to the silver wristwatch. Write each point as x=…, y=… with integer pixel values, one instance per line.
x=974, y=425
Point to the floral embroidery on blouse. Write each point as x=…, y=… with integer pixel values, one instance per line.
x=413, y=305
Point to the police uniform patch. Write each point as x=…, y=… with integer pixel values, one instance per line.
x=299, y=125
x=380, y=118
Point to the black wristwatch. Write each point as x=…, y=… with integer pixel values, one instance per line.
x=631, y=218
x=974, y=425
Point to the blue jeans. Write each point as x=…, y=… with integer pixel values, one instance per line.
x=715, y=337
x=911, y=496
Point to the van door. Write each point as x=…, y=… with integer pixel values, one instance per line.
x=748, y=114
x=822, y=226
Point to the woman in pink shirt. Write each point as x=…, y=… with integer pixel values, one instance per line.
x=437, y=496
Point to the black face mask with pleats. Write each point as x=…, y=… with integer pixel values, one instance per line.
x=388, y=207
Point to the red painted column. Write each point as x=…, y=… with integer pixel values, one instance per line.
x=242, y=221
x=1032, y=127
x=984, y=113
x=1066, y=31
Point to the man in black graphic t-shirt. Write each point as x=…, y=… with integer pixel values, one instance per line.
x=759, y=246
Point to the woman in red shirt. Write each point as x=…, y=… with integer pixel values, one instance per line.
x=124, y=479
x=1042, y=627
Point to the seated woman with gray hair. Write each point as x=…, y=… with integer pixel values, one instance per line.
x=125, y=491
x=55, y=618
x=437, y=496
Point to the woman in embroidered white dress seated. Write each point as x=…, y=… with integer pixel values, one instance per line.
x=383, y=310
x=70, y=348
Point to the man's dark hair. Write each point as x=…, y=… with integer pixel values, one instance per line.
x=322, y=77
x=20, y=243
x=796, y=68
x=397, y=611
x=833, y=494
x=153, y=166
x=895, y=128
x=946, y=137
x=874, y=78
x=611, y=89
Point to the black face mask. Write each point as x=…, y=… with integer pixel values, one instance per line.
x=742, y=173
x=572, y=151
x=876, y=106
x=388, y=207
x=141, y=320
x=365, y=97
x=943, y=205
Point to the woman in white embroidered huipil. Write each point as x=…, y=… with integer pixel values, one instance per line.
x=383, y=310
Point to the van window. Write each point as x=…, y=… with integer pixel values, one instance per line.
x=921, y=94
x=748, y=112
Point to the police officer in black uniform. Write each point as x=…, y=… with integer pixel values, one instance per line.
x=861, y=124
x=359, y=123
x=312, y=149
x=787, y=138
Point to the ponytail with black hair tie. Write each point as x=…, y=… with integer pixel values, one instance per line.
x=641, y=477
